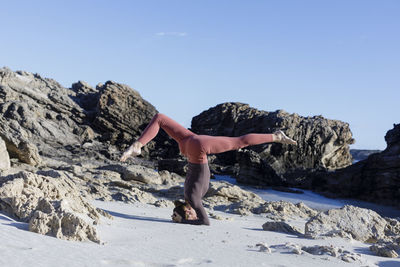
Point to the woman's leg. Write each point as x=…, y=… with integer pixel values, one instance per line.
x=196, y=186
x=171, y=127
x=219, y=144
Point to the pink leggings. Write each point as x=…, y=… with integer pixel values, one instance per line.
x=197, y=147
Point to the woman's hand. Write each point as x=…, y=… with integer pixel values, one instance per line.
x=133, y=150
x=176, y=217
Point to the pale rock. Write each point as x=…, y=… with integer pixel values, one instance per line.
x=283, y=209
x=385, y=250
x=263, y=247
x=4, y=157
x=362, y=224
x=52, y=206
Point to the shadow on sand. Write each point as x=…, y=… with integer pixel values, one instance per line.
x=136, y=217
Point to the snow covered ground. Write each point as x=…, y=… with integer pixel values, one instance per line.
x=143, y=235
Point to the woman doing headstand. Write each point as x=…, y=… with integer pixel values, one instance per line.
x=196, y=148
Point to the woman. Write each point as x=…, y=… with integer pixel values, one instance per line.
x=196, y=148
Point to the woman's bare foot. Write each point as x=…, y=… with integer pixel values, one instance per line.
x=134, y=150
x=280, y=137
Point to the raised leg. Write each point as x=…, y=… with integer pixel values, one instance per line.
x=173, y=129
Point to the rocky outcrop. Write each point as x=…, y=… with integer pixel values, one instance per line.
x=4, y=157
x=282, y=227
x=336, y=252
x=322, y=143
x=121, y=113
x=375, y=179
x=282, y=210
x=42, y=119
x=352, y=222
x=52, y=205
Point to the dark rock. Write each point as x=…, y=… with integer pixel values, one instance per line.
x=322, y=143
x=42, y=119
x=375, y=179
x=282, y=227
x=178, y=166
x=122, y=114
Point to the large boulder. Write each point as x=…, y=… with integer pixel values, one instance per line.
x=39, y=117
x=4, y=157
x=42, y=119
x=51, y=204
x=375, y=179
x=360, y=224
x=322, y=143
x=122, y=114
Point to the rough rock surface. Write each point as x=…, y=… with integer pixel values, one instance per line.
x=353, y=222
x=39, y=115
x=4, y=157
x=386, y=250
x=282, y=227
x=331, y=251
x=52, y=205
x=375, y=179
x=121, y=113
x=282, y=210
x=64, y=145
x=322, y=143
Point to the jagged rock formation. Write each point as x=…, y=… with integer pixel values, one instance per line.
x=38, y=114
x=52, y=205
x=352, y=222
x=375, y=179
x=322, y=143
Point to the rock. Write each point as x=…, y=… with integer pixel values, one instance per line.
x=322, y=143
x=42, y=120
x=360, y=224
x=66, y=226
x=385, y=250
x=231, y=192
x=263, y=247
x=178, y=166
x=18, y=144
x=231, y=198
x=281, y=227
x=4, y=157
x=322, y=250
x=170, y=178
x=38, y=115
x=374, y=179
x=282, y=210
x=288, y=248
x=121, y=113
x=135, y=173
x=52, y=206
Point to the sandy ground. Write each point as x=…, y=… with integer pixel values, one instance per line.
x=143, y=235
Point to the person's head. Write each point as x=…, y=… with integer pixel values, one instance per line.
x=185, y=210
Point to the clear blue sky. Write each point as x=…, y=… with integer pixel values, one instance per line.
x=339, y=58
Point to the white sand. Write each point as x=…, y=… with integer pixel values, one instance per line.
x=143, y=235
